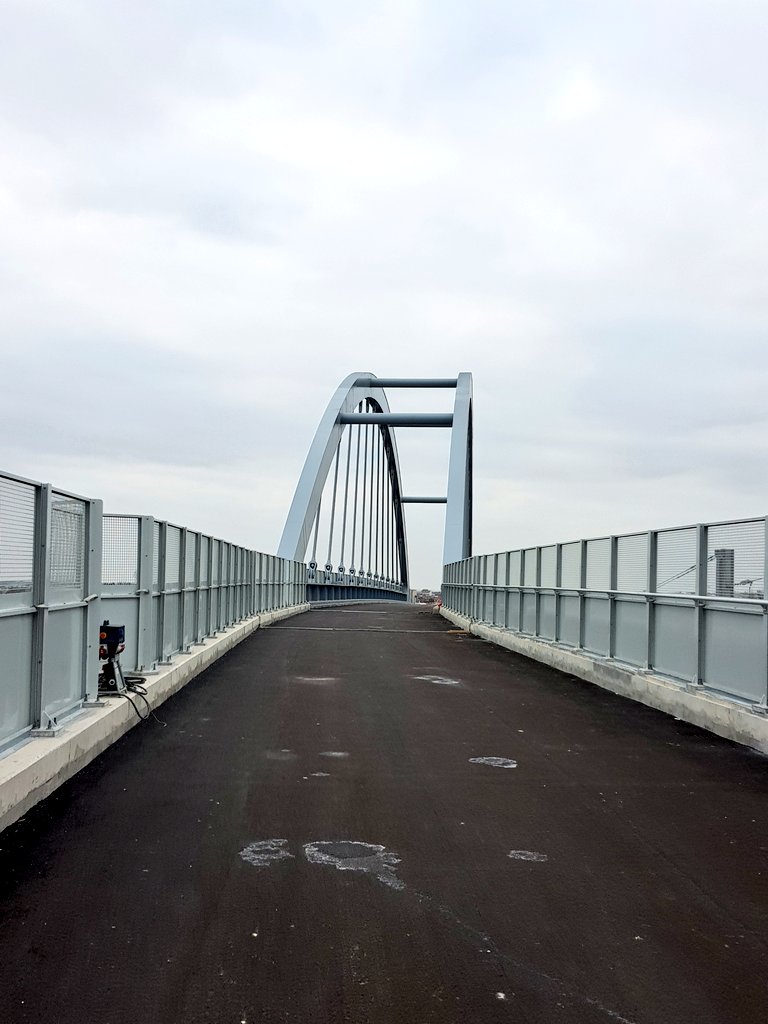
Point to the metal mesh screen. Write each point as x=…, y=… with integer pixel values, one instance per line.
x=17, y=535
x=204, y=543
x=676, y=562
x=529, y=567
x=190, y=558
x=549, y=566
x=736, y=559
x=120, y=550
x=632, y=562
x=215, y=574
x=599, y=564
x=67, y=565
x=173, y=557
x=570, y=569
x=514, y=568
x=156, y=556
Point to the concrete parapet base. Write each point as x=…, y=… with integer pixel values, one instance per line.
x=34, y=769
x=727, y=718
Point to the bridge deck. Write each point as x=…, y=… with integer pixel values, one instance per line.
x=638, y=892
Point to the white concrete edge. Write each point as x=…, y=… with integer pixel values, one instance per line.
x=36, y=767
x=726, y=718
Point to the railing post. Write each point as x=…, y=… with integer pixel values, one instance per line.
x=163, y=585
x=537, y=596
x=582, y=588
x=558, y=584
x=92, y=578
x=209, y=574
x=765, y=610
x=612, y=579
x=699, y=610
x=145, y=564
x=182, y=616
x=40, y=596
x=520, y=595
x=651, y=619
x=198, y=583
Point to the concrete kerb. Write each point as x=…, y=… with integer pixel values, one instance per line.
x=34, y=769
x=726, y=718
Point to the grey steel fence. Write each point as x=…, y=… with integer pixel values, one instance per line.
x=65, y=567
x=688, y=603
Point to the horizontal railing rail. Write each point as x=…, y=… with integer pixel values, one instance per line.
x=688, y=603
x=65, y=567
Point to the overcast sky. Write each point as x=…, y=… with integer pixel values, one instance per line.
x=210, y=213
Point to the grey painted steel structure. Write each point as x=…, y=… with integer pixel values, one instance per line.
x=687, y=603
x=65, y=567
x=358, y=402
x=356, y=390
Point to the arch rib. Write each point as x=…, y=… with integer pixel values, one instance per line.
x=354, y=389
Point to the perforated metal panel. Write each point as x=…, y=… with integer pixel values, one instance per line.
x=736, y=559
x=215, y=574
x=120, y=550
x=529, y=567
x=632, y=562
x=67, y=563
x=514, y=568
x=571, y=566
x=17, y=535
x=549, y=566
x=599, y=564
x=156, y=556
x=676, y=562
x=204, y=545
x=173, y=557
x=190, y=558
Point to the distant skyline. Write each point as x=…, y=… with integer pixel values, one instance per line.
x=213, y=213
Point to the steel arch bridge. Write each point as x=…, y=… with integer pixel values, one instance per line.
x=348, y=504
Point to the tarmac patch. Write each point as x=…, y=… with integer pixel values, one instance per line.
x=280, y=755
x=265, y=852
x=494, y=762
x=368, y=858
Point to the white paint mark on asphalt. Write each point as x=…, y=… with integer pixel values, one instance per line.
x=501, y=996
x=279, y=755
x=316, y=680
x=539, y=858
x=494, y=762
x=346, y=855
x=321, y=775
x=439, y=680
x=265, y=852
x=334, y=753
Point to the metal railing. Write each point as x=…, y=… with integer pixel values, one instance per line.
x=688, y=603
x=329, y=585
x=65, y=567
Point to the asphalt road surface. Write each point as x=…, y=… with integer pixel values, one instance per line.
x=311, y=838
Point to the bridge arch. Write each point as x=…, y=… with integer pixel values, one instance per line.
x=375, y=500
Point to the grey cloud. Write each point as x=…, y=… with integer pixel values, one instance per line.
x=212, y=213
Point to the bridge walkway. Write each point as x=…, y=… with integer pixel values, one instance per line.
x=214, y=869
